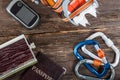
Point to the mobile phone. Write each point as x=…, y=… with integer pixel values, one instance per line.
x=23, y=13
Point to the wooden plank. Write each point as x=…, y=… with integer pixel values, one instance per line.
x=50, y=22
x=57, y=39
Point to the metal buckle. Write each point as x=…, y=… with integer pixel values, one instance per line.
x=86, y=61
x=80, y=12
x=91, y=69
x=65, y=11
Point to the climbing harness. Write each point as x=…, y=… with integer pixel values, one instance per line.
x=106, y=65
x=73, y=10
x=108, y=42
x=89, y=77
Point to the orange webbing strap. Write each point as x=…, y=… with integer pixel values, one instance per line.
x=44, y=2
x=97, y=63
x=54, y=5
x=59, y=10
x=75, y=13
x=57, y=4
x=100, y=53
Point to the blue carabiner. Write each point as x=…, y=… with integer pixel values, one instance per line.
x=91, y=69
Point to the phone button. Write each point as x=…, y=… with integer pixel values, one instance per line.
x=19, y=4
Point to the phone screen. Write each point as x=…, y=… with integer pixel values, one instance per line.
x=23, y=13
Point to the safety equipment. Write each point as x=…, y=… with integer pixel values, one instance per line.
x=108, y=42
x=73, y=10
x=78, y=16
x=106, y=65
x=99, y=59
x=89, y=77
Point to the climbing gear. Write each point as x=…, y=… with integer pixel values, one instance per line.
x=73, y=10
x=99, y=59
x=106, y=65
x=108, y=42
x=78, y=16
x=89, y=77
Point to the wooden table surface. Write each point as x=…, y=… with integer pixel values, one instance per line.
x=56, y=39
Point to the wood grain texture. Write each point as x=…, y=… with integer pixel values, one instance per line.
x=57, y=39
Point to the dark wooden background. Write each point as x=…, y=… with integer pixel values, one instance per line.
x=56, y=39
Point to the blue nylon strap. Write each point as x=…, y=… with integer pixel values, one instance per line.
x=90, y=68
